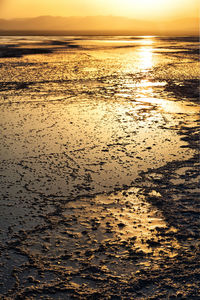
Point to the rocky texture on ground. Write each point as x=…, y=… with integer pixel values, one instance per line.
x=100, y=174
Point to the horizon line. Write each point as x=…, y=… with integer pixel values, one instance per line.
x=114, y=16
x=87, y=33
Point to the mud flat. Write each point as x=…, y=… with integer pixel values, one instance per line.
x=100, y=171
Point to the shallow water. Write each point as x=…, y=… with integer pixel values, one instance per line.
x=81, y=117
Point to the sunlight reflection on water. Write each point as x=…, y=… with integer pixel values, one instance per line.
x=84, y=121
x=146, y=58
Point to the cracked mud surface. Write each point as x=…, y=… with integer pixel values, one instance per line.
x=99, y=169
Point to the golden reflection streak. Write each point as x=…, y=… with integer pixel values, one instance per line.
x=146, y=58
x=145, y=88
x=146, y=63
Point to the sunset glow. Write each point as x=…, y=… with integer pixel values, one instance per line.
x=99, y=144
x=143, y=9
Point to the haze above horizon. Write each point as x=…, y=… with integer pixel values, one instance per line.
x=151, y=10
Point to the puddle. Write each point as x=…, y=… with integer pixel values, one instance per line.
x=172, y=106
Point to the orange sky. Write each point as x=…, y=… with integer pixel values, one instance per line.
x=137, y=9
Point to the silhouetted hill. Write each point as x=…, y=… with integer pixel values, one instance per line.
x=100, y=23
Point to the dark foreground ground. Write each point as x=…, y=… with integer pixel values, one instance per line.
x=100, y=175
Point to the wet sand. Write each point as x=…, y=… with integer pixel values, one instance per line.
x=99, y=169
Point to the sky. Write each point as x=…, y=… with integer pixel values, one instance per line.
x=137, y=9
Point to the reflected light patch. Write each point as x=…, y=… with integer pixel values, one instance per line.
x=146, y=58
x=171, y=106
x=147, y=40
x=145, y=83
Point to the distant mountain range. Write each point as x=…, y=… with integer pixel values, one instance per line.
x=101, y=24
